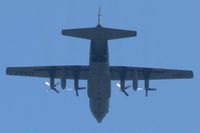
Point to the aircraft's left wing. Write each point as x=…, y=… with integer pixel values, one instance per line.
x=69, y=72
x=130, y=73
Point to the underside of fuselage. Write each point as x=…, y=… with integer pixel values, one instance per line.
x=99, y=83
x=99, y=108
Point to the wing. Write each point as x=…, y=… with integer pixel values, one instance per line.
x=69, y=72
x=129, y=73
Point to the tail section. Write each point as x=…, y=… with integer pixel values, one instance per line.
x=99, y=33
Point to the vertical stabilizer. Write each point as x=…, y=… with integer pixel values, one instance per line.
x=99, y=16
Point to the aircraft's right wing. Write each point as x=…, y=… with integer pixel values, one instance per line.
x=129, y=73
x=69, y=72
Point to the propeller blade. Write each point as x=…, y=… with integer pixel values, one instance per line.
x=47, y=84
x=77, y=94
x=125, y=92
x=149, y=89
x=81, y=88
x=58, y=83
x=55, y=90
x=118, y=85
x=123, y=89
x=152, y=89
x=127, y=87
x=146, y=92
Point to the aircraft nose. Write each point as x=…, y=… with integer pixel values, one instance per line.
x=99, y=117
x=99, y=120
x=99, y=108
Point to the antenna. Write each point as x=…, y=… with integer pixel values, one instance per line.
x=99, y=16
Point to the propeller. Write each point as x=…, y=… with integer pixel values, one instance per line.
x=147, y=89
x=76, y=86
x=54, y=86
x=123, y=89
x=79, y=88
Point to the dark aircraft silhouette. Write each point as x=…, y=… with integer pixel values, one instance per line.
x=99, y=73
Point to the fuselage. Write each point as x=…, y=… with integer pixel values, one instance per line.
x=99, y=83
x=99, y=77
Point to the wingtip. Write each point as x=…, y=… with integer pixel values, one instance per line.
x=189, y=74
x=7, y=71
x=62, y=32
x=192, y=74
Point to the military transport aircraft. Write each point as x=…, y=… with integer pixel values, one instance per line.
x=99, y=73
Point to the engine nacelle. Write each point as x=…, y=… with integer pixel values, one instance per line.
x=52, y=84
x=135, y=84
x=76, y=86
x=135, y=81
x=63, y=83
x=123, y=87
x=122, y=84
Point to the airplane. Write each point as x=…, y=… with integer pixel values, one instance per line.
x=99, y=73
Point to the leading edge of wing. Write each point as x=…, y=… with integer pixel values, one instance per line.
x=151, y=73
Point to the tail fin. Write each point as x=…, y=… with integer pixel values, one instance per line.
x=99, y=33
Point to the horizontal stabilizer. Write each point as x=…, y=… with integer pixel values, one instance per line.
x=99, y=33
